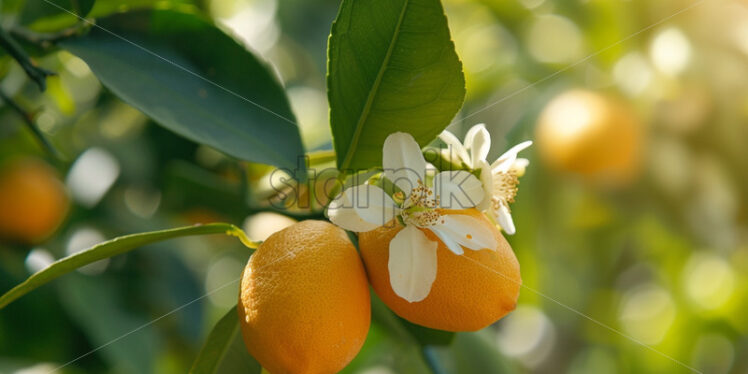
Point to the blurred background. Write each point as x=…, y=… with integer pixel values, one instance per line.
x=633, y=212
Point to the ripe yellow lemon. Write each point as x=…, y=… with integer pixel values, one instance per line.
x=304, y=303
x=590, y=134
x=33, y=201
x=471, y=291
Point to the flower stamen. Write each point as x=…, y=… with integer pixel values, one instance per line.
x=505, y=186
x=420, y=207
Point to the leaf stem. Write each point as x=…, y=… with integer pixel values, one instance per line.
x=242, y=236
x=34, y=72
x=28, y=120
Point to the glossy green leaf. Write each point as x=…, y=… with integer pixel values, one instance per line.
x=473, y=352
x=383, y=349
x=411, y=338
x=224, y=351
x=195, y=80
x=383, y=316
x=392, y=67
x=111, y=248
x=404, y=329
x=426, y=336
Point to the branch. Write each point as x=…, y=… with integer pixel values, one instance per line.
x=34, y=72
x=46, y=40
x=28, y=119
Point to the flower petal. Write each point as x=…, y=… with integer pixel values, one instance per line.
x=460, y=230
x=412, y=264
x=505, y=162
x=342, y=212
x=373, y=205
x=519, y=166
x=403, y=161
x=470, y=136
x=486, y=179
x=458, y=189
x=454, y=147
x=453, y=246
x=478, y=140
x=505, y=219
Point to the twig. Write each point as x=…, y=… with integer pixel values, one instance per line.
x=28, y=119
x=46, y=40
x=34, y=72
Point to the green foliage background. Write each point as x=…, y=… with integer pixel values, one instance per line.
x=663, y=260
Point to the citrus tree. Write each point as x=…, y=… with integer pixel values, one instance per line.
x=428, y=235
x=305, y=186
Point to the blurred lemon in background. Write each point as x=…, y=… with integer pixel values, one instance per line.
x=590, y=134
x=471, y=291
x=304, y=303
x=33, y=200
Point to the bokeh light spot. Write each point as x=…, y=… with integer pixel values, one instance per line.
x=554, y=39
x=142, y=201
x=38, y=259
x=647, y=312
x=527, y=334
x=709, y=280
x=92, y=175
x=261, y=225
x=632, y=73
x=671, y=51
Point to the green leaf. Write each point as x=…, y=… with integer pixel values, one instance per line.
x=195, y=80
x=473, y=352
x=224, y=350
x=426, y=336
x=52, y=15
x=111, y=248
x=383, y=316
x=414, y=338
x=102, y=314
x=391, y=67
x=404, y=329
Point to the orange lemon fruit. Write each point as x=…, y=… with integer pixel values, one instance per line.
x=304, y=303
x=33, y=201
x=590, y=134
x=471, y=291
